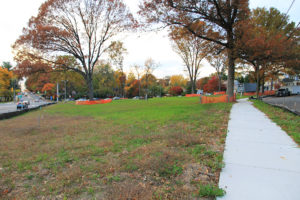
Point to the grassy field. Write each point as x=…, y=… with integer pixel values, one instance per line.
x=169, y=148
x=288, y=121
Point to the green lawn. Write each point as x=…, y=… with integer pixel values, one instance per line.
x=168, y=148
x=238, y=96
x=288, y=121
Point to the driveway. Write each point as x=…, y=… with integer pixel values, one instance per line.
x=291, y=102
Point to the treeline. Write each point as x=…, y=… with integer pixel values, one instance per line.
x=108, y=82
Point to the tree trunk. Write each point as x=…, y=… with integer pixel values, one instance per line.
x=193, y=86
x=219, y=82
x=89, y=81
x=257, y=81
x=192, y=89
x=263, y=84
x=139, y=88
x=231, y=70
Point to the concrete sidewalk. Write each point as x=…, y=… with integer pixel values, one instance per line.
x=261, y=161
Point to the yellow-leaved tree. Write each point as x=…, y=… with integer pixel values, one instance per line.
x=5, y=84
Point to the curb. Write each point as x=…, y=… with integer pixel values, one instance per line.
x=284, y=108
x=17, y=113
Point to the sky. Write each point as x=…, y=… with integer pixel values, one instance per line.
x=14, y=15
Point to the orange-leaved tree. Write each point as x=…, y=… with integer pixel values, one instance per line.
x=192, y=51
x=49, y=89
x=268, y=39
x=80, y=28
x=212, y=85
x=214, y=21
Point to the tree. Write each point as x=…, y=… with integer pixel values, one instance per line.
x=149, y=67
x=218, y=62
x=214, y=21
x=137, y=69
x=178, y=80
x=36, y=81
x=133, y=89
x=5, y=83
x=192, y=51
x=211, y=85
x=116, y=54
x=201, y=82
x=176, y=90
x=104, y=80
x=7, y=65
x=270, y=40
x=49, y=89
x=80, y=28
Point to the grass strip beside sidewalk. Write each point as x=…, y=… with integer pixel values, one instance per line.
x=288, y=121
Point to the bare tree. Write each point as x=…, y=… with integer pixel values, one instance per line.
x=219, y=62
x=149, y=67
x=116, y=54
x=80, y=28
x=192, y=51
x=137, y=69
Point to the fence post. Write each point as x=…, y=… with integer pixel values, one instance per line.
x=200, y=99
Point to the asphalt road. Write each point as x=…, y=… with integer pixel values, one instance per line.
x=11, y=106
x=291, y=102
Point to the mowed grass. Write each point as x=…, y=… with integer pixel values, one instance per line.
x=168, y=148
x=288, y=121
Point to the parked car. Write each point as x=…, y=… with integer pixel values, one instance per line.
x=116, y=98
x=283, y=92
x=136, y=97
x=22, y=106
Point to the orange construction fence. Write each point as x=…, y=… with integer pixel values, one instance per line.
x=271, y=92
x=217, y=93
x=192, y=95
x=220, y=99
x=93, y=102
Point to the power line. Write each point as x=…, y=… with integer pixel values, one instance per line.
x=290, y=7
x=286, y=14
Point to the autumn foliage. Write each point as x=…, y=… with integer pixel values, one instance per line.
x=48, y=88
x=212, y=85
x=77, y=28
x=176, y=90
x=213, y=21
x=5, y=83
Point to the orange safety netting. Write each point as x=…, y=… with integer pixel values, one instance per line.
x=192, y=95
x=93, y=102
x=217, y=93
x=220, y=99
x=271, y=92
